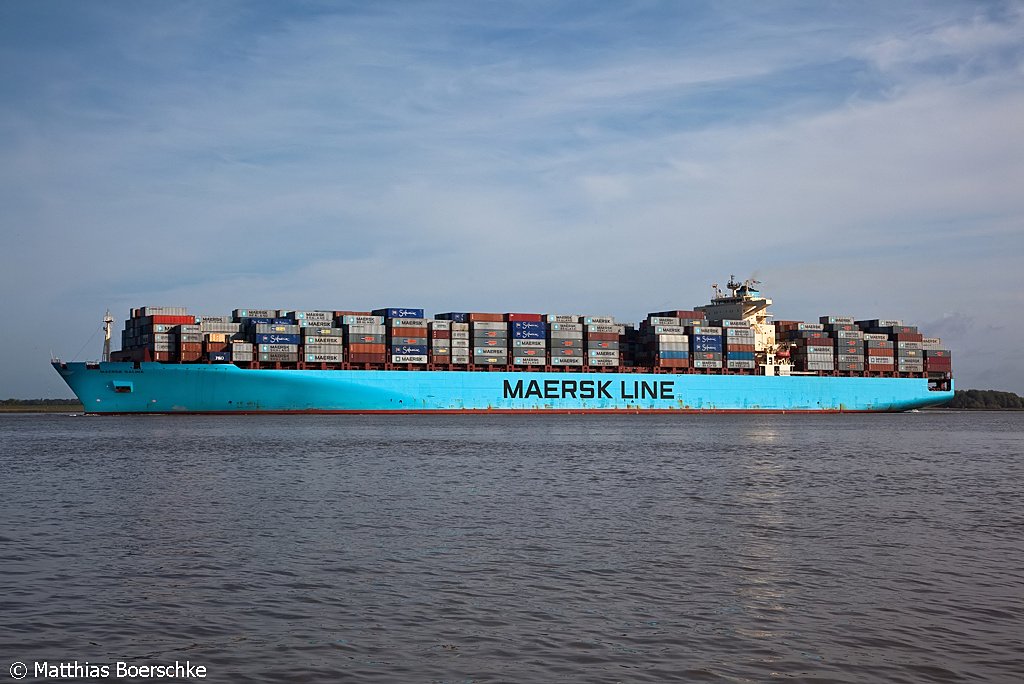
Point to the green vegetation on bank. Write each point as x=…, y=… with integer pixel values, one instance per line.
x=985, y=399
x=39, y=405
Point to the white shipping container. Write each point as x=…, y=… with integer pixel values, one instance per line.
x=529, y=343
x=362, y=320
x=324, y=358
x=528, y=361
x=663, y=320
x=408, y=358
x=566, y=360
x=606, y=328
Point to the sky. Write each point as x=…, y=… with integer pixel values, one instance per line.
x=861, y=159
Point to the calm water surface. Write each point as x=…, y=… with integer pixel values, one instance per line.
x=518, y=548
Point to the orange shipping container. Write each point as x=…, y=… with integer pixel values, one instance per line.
x=359, y=349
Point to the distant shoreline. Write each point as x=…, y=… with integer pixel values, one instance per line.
x=71, y=406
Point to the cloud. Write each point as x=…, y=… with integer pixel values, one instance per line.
x=616, y=161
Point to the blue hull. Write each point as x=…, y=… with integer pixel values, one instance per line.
x=216, y=388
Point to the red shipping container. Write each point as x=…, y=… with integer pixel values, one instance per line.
x=191, y=347
x=908, y=337
x=339, y=314
x=487, y=317
x=938, y=363
x=367, y=358
x=606, y=337
x=523, y=317
x=441, y=334
x=872, y=351
x=739, y=347
x=172, y=320
x=672, y=363
x=879, y=367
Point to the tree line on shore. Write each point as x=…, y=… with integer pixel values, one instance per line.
x=985, y=399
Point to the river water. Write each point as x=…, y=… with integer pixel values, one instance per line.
x=847, y=548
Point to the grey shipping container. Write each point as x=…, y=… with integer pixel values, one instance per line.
x=323, y=349
x=565, y=335
x=489, y=325
x=278, y=356
x=279, y=348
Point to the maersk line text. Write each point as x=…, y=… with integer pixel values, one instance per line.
x=589, y=389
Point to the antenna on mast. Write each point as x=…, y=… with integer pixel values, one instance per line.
x=108, y=323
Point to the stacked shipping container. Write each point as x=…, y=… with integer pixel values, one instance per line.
x=404, y=336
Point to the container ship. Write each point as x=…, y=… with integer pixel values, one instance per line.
x=726, y=356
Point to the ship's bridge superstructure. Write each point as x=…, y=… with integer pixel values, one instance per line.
x=745, y=303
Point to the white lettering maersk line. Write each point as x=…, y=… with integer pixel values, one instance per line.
x=726, y=356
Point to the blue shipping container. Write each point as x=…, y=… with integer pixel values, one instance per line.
x=277, y=338
x=220, y=357
x=740, y=356
x=453, y=317
x=706, y=343
x=530, y=325
x=674, y=355
x=409, y=349
x=268, y=321
x=398, y=312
